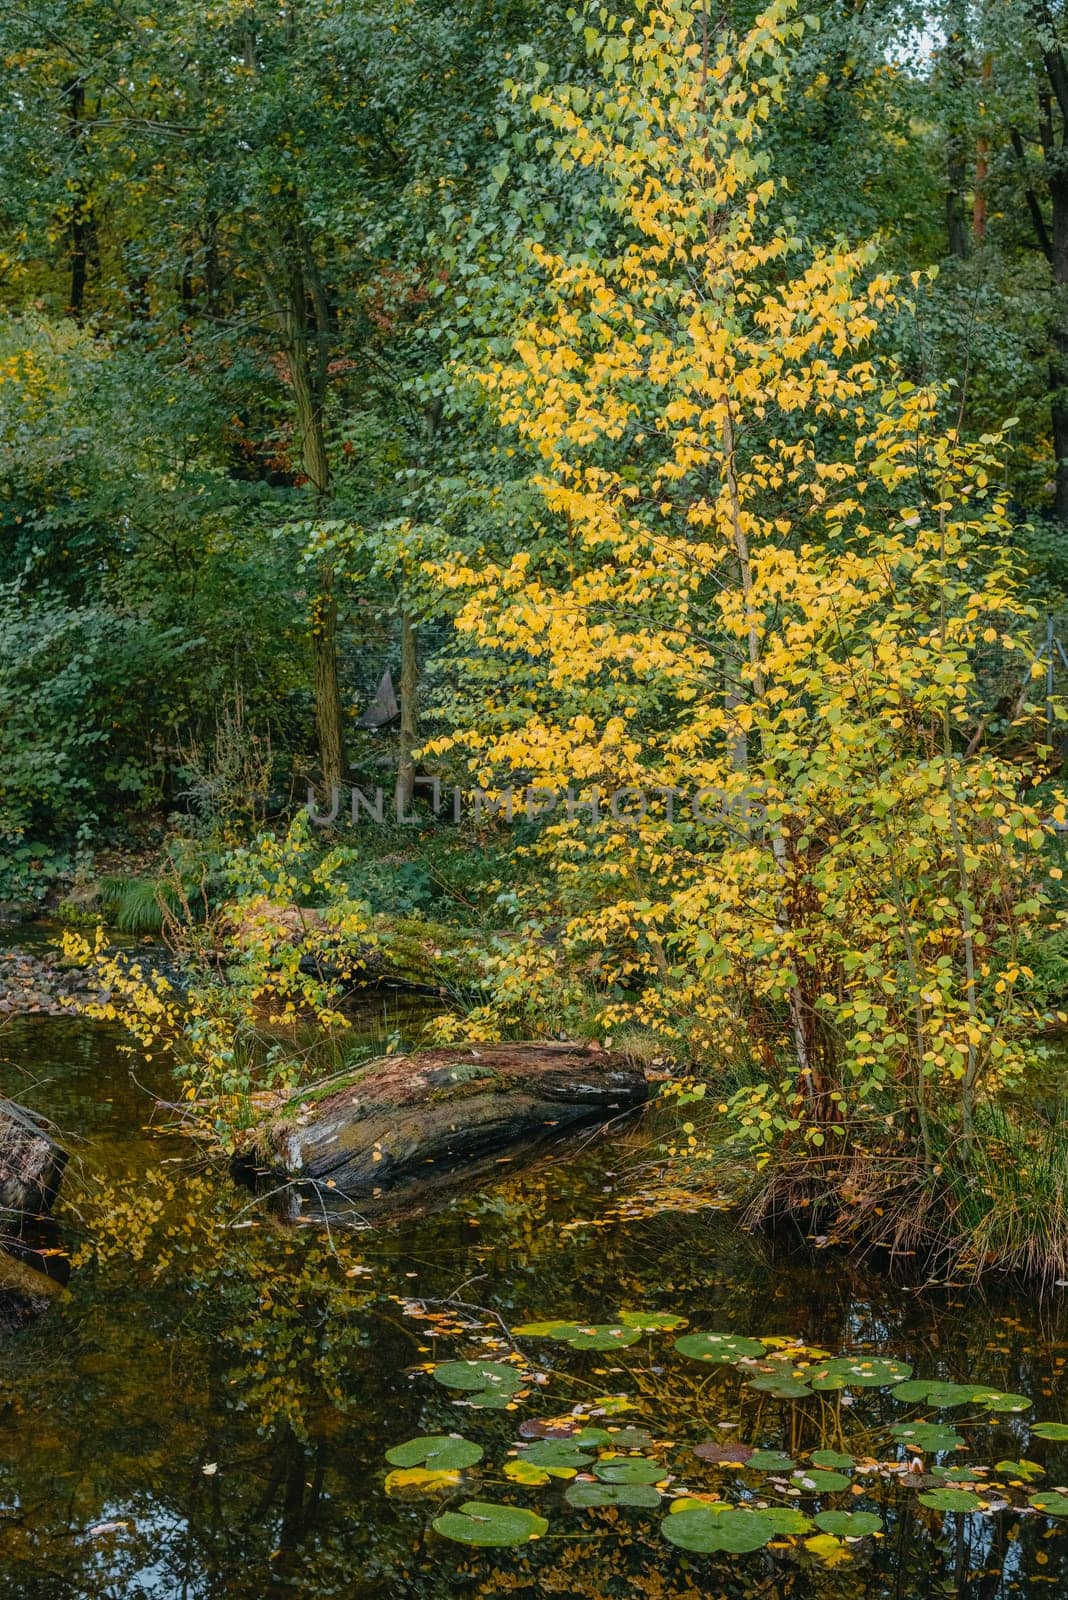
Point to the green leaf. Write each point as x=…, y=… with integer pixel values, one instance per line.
x=849, y=1524
x=478, y=1522
x=818, y=1481
x=952, y=1500
x=1051, y=1503
x=928, y=1436
x=705, y=1530
x=997, y=1400
x=613, y=1494
x=1020, y=1469
x=652, y=1321
x=629, y=1469
x=490, y=1384
x=1050, y=1430
x=781, y=1385
x=438, y=1451
x=939, y=1395
x=545, y=1330
x=724, y=1349
x=603, y=1336
x=555, y=1453
x=770, y=1461
x=858, y=1372
x=832, y=1458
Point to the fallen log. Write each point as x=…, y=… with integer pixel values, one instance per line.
x=406, y=1118
x=31, y=1163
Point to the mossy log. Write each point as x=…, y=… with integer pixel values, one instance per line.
x=406, y=1118
x=31, y=1163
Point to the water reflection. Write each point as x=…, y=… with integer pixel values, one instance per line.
x=205, y=1412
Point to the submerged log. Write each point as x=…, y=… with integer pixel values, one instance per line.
x=414, y=1117
x=31, y=1163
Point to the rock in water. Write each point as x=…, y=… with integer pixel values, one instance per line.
x=413, y=1117
x=31, y=1163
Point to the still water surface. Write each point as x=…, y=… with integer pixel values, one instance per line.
x=206, y=1412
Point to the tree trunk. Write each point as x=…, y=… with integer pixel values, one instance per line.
x=410, y=1118
x=409, y=714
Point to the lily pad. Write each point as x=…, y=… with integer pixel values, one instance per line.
x=724, y=1455
x=629, y=1469
x=780, y=1384
x=952, y=1500
x=836, y=1459
x=927, y=1436
x=652, y=1321
x=997, y=1400
x=785, y=1520
x=520, y=1471
x=858, y=1372
x=704, y=1530
x=478, y=1522
x=624, y=1438
x=604, y=1336
x=1051, y=1503
x=555, y=1455
x=546, y=1330
x=723, y=1349
x=1050, y=1430
x=940, y=1395
x=1020, y=1469
x=418, y=1480
x=771, y=1461
x=490, y=1384
x=849, y=1524
x=613, y=1494
x=818, y=1482
x=436, y=1451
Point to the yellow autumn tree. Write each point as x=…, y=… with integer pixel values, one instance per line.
x=769, y=597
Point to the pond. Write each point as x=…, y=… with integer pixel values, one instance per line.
x=207, y=1411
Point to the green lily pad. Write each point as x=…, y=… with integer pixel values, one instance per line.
x=967, y=1475
x=849, y=1524
x=724, y=1349
x=519, y=1471
x=780, y=1384
x=952, y=1500
x=941, y=1396
x=858, y=1372
x=613, y=1494
x=546, y=1330
x=490, y=1384
x=785, y=1520
x=440, y=1452
x=624, y=1438
x=629, y=1469
x=1020, y=1469
x=818, y=1482
x=478, y=1522
x=1050, y=1430
x=927, y=1436
x=604, y=1336
x=652, y=1321
x=997, y=1400
x=1050, y=1503
x=835, y=1459
x=704, y=1529
x=555, y=1453
x=770, y=1461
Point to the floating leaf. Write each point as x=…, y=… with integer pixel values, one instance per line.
x=997, y=1400
x=418, y=1480
x=829, y=1550
x=818, y=1481
x=520, y=1471
x=546, y=1330
x=1051, y=1503
x=603, y=1336
x=722, y=1348
x=939, y=1395
x=927, y=1436
x=613, y=1494
x=706, y=1529
x=652, y=1321
x=785, y=1520
x=723, y=1455
x=849, y=1524
x=625, y=1438
x=1050, y=1430
x=556, y=1454
x=438, y=1451
x=771, y=1461
x=478, y=1522
x=858, y=1372
x=780, y=1384
x=952, y=1500
x=490, y=1383
x=551, y=1428
x=629, y=1469
x=1020, y=1469
x=832, y=1458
